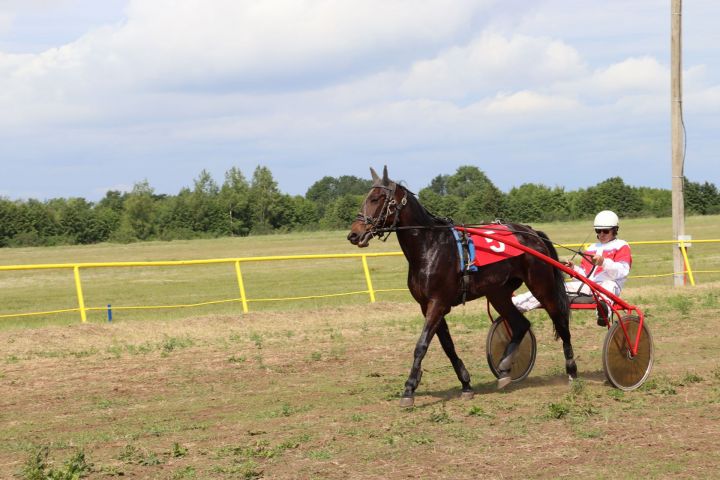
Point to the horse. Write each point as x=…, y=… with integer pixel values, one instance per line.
x=437, y=283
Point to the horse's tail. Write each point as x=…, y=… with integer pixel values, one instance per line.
x=563, y=303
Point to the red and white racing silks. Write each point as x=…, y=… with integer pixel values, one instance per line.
x=611, y=275
x=615, y=267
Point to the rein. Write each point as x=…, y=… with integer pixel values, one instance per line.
x=391, y=206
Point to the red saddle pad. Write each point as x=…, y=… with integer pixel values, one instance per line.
x=491, y=250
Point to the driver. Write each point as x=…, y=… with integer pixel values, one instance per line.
x=606, y=263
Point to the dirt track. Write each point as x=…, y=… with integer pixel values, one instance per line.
x=314, y=395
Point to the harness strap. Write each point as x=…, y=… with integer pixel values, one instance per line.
x=393, y=227
x=466, y=258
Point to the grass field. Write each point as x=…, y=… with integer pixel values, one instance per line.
x=310, y=389
x=47, y=290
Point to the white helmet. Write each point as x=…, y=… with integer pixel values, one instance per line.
x=606, y=219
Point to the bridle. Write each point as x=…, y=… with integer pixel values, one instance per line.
x=378, y=225
x=378, y=228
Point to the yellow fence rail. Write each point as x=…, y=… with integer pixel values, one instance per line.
x=244, y=301
x=82, y=309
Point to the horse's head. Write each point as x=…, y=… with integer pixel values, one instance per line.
x=379, y=213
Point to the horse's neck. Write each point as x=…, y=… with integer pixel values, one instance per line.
x=415, y=243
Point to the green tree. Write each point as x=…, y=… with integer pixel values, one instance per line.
x=36, y=224
x=305, y=214
x=8, y=221
x=342, y=212
x=700, y=199
x=140, y=212
x=467, y=196
x=326, y=190
x=439, y=185
x=613, y=194
x=468, y=180
x=710, y=192
x=109, y=211
x=532, y=202
x=657, y=202
x=433, y=201
x=175, y=216
x=113, y=200
x=263, y=198
x=581, y=203
x=483, y=206
x=79, y=222
x=107, y=221
x=205, y=207
x=235, y=202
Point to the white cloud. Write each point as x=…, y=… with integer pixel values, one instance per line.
x=10, y=63
x=6, y=20
x=632, y=75
x=494, y=61
x=704, y=102
x=219, y=47
x=286, y=82
x=526, y=102
x=282, y=44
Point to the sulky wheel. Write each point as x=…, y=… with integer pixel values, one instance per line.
x=497, y=339
x=623, y=370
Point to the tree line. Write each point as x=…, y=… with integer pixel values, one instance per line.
x=241, y=206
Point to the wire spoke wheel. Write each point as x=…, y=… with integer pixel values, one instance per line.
x=622, y=369
x=498, y=338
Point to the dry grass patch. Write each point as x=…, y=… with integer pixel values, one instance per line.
x=314, y=394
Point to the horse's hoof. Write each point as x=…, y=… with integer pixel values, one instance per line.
x=506, y=363
x=504, y=382
x=467, y=395
x=407, y=402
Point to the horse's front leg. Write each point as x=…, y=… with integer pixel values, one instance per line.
x=433, y=314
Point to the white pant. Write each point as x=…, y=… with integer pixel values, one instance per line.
x=526, y=301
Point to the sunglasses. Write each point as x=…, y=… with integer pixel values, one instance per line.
x=603, y=230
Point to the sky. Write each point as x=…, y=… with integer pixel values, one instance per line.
x=99, y=95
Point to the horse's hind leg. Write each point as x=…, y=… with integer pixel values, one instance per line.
x=561, y=322
x=434, y=313
x=502, y=302
x=443, y=333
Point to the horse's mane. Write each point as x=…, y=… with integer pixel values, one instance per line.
x=435, y=220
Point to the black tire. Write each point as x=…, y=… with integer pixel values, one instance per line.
x=622, y=370
x=497, y=339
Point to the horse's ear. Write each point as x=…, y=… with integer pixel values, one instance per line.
x=375, y=177
x=385, y=179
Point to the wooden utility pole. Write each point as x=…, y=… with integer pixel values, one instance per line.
x=678, y=141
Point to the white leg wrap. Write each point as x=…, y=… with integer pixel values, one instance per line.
x=609, y=285
x=525, y=302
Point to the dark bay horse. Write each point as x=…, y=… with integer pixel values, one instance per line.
x=436, y=281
